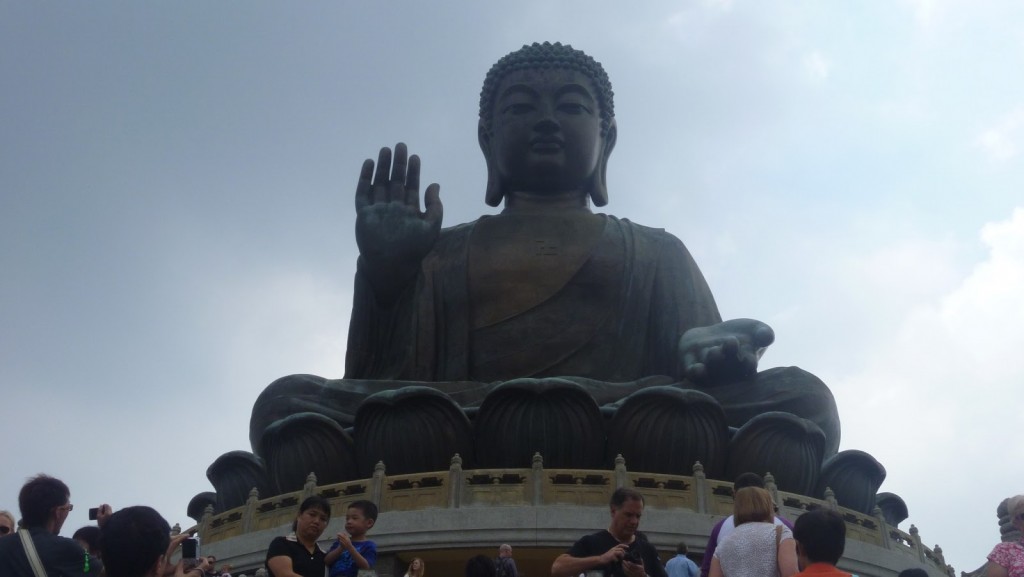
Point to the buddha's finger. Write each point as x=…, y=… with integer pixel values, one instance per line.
x=364, y=184
x=412, y=184
x=764, y=336
x=730, y=347
x=432, y=200
x=380, y=180
x=396, y=188
x=697, y=372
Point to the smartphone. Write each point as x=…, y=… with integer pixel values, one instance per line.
x=190, y=552
x=94, y=513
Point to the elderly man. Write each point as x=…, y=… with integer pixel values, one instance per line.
x=505, y=565
x=621, y=550
x=45, y=505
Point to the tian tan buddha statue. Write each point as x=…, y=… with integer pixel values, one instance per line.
x=546, y=328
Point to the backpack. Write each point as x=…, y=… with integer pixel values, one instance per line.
x=502, y=568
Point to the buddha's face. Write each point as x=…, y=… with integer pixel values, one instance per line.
x=546, y=131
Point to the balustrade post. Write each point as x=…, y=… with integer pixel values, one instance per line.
x=249, y=513
x=377, y=490
x=538, y=480
x=830, y=499
x=204, y=523
x=455, y=482
x=700, y=482
x=916, y=538
x=309, y=489
x=883, y=526
x=620, y=471
x=176, y=530
x=769, y=484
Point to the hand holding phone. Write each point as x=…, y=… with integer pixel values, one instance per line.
x=190, y=553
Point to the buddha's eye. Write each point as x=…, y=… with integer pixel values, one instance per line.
x=573, y=108
x=518, y=108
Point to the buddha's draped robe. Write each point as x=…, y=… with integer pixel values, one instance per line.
x=614, y=327
x=618, y=318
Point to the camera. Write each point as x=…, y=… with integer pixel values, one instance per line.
x=190, y=552
x=633, y=556
x=94, y=513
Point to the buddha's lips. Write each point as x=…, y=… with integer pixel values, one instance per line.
x=546, y=144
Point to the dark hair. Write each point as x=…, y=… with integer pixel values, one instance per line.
x=91, y=535
x=368, y=508
x=821, y=534
x=913, y=572
x=547, y=55
x=748, y=480
x=133, y=540
x=313, y=502
x=480, y=566
x=682, y=549
x=623, y=494
x=39, y=497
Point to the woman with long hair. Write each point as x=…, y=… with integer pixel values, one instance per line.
x=299, y=555
x=757, y=547
x=416, y=568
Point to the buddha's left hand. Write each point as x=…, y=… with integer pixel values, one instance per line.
x=723, y=353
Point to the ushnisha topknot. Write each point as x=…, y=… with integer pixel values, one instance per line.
x=548, y=55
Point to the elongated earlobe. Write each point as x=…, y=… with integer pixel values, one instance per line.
x=599, y=186
x=494, y=194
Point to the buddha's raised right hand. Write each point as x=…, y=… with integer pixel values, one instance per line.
x=392, y=234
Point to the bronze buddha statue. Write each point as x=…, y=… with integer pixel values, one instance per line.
x=545, y=327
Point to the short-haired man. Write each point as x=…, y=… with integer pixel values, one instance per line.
x=681, y=565
x=726, y=526
x=505, y=565
x=620, y=550
x=45, y=505
x=820, y=539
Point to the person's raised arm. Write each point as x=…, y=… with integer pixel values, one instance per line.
x=392, y=233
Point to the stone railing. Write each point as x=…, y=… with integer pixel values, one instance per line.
x=537, y=486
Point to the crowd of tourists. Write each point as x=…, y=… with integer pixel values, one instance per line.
x=137, y=542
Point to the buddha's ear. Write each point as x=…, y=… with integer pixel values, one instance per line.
x=599, y=187
x=494, y=194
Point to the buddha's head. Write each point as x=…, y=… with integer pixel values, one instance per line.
x=547, y=123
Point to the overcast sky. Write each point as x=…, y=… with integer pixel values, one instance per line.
x=177, y=214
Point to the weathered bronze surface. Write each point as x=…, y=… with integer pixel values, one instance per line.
x=528, y=330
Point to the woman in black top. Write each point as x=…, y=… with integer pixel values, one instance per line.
x=298, y=554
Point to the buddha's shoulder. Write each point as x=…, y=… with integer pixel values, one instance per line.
x=641, y=232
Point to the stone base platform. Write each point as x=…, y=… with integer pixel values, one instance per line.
x=446, y=517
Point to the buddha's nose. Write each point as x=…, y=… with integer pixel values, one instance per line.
x=547, y=124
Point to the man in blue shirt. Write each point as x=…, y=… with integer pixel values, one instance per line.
x=681, y=565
